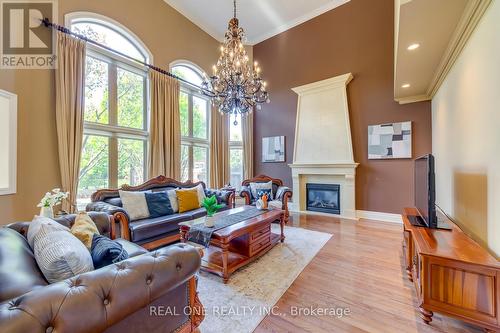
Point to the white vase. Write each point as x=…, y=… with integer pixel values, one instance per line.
x=209, y=221
x=47, y=212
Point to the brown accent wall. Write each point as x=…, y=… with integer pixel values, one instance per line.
x=357, y=37
x=167, y=34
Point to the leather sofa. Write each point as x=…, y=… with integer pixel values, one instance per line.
x=130, y=296
x=151, y=233
x=280, y=193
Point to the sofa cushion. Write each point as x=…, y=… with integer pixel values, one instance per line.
x=84, y=229
x=188, y=200
x=201, y=193
x=147, y=228
x=19, y=272
x=172, y=196
x=59, y=254
x=105, y=251
x=135, y=204
x=132, y=249
x=255, y=187
x=158, y=204
x=36, y=224
x=116, y=201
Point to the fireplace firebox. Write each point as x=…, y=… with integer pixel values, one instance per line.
x=323, y=198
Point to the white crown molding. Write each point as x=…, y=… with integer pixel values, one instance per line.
x=473, y=13
x=195, y=21
x=470, y=18
x=412, y=99
x=304, y=18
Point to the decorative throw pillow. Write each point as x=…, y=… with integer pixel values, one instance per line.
x=158, y=204
x=105, y=251
x=254, y=187
x=201, y=193
x=135, y=204
x=84, y=229
x=59, y=254
x=37, y=223
x=187, y=199
x=172, y=196
x=261, y=192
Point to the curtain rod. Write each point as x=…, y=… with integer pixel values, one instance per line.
x=67, y=31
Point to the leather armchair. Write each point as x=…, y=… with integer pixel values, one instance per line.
x=123, y=297
x=280, y=192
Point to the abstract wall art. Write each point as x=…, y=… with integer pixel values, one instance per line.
x=388, y=141
x=273, y=149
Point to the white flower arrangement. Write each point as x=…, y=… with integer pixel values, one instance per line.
x=53, y=198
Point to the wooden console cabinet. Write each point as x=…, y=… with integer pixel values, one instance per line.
x=452, y=274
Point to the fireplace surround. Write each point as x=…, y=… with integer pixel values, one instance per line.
x=323, y=152
x=323, y=198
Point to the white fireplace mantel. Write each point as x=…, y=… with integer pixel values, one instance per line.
x=323, y=151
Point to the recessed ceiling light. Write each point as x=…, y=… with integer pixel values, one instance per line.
x=406, y=85
x=413, y=47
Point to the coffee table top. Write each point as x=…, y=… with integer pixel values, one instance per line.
x=240, y=227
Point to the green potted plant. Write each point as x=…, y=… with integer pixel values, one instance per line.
x=211, y=205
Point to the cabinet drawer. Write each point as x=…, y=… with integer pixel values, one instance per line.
x=254, y=236
x=260, y=244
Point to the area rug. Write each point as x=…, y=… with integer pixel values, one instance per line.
x=252, y=291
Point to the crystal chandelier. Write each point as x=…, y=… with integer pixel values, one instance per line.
x=235, y=86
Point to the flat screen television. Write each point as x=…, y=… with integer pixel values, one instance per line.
x=425, y=191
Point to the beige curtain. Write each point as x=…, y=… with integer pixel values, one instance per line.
x=165, y=143
x=219, y=149
x=247, y=126
x=70, y=85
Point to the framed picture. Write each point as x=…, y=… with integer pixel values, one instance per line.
x=389, y=141
x=8, y=142
x=273, y=149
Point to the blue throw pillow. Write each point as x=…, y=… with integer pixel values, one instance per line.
x=261, y=192
x=158, y=204
x=105, y=251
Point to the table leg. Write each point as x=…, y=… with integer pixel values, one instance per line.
x=282, y=226
x=225, y=254
x=183, y=231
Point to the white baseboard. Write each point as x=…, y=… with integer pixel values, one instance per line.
x=379, y=216
x=360, y=214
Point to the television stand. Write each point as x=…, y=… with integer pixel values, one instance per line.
x=418, y=221
x=452, y=274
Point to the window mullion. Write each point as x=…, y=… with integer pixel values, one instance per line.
x=113, y=121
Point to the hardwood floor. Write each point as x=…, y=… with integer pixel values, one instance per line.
x=359, y=269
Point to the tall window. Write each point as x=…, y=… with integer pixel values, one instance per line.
x=115, y=134
x=195, y=125
x=236, y=151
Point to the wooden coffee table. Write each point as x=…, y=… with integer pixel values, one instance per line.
x=239, y=244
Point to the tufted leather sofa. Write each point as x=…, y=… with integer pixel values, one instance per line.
x=149, y=292
x=280, y=192
x=152, y=232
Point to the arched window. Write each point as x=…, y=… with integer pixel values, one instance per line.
x=195, y=123
x=115, y=140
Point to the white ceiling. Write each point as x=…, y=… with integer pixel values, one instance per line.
x=261, y=19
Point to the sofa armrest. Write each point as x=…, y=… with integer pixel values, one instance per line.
x=247, y=194
x=282, y=192
x=119, y=214
x=102, y=220
x=96, y=300
x=222, y=196
x=101, y=206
